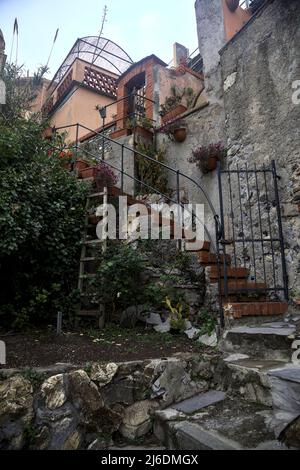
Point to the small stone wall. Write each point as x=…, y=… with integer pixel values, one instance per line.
x=66, y=407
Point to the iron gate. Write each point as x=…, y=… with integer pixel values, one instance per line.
x=251, y=235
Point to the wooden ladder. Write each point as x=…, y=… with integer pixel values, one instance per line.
x=84, y=259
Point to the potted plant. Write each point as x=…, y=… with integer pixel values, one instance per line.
x=176, y=130
x=173, y=106
x=82, y=164
x=141, y=126
x=66, y=159
x=104, y=175
x=206, y=157
x=178, y=316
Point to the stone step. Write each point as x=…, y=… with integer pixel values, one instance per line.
x=232, y=273
x=285, y=389
x=257, y=309
x=271, y=342
x=196, y=403
x=225, y=425
x=249, y=378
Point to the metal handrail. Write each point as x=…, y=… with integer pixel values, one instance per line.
x=142, y=155
x=219, y=227
x=156, y=191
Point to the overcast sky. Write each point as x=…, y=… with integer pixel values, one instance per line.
x=140, y=27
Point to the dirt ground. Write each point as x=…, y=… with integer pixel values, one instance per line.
x=41, y=348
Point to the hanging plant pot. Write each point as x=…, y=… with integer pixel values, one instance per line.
x=209, y=164
x=102, y=182
x=180, y=134
x=232, y=5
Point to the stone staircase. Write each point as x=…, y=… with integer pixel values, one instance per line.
x=257, y=394
x=246, y=298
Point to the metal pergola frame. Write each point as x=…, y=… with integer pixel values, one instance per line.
x=101, y=52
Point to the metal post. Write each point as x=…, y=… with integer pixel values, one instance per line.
x=222, y=229
x=217, y=229
x=122, y=168
x=73, y=168
x=179, y=219
x=103, y=138
x=59, y=323
x=280, y=230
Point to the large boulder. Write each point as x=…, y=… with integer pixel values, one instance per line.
x=16, y=412
x=103, y=374
x=172, y=382
x=54, y=391
x=290, y=436
x=137, y=419
x=83, y=393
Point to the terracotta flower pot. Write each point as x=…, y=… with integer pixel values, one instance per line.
x=81, y=164
x=87, y=173
x=102, y=182
x=173, y=113
x=210, y=164
x=180, y=134
x=142, y=132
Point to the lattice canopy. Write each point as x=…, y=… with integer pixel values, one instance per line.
x=100, y=52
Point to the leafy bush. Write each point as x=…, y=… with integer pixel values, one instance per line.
x=118, y=278
x=41, y=218
x=149, y=172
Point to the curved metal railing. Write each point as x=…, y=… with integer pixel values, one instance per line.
x=219, y=229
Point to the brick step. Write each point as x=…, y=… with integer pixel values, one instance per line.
x=256, y=309
x=243, y=286
x=246, y=298
x=232, y=273
x=208, y=259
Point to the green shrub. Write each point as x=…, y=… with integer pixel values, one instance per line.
x=118, y=278
x=41, y=220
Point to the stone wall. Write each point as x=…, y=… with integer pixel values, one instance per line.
x=204, y=126
x=69, y=408
x=259, y=66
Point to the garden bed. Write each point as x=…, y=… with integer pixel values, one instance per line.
x=41, y=348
